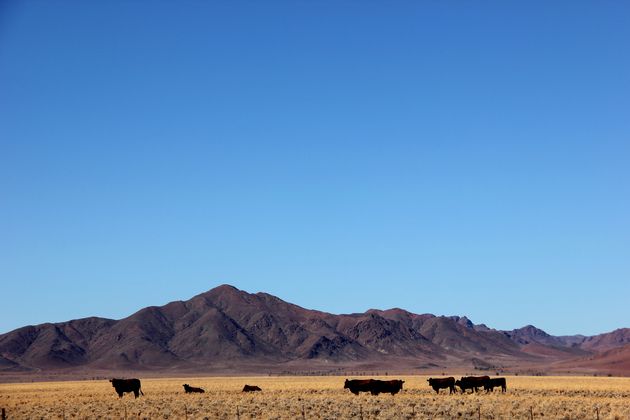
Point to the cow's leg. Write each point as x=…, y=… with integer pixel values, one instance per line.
x=136, y=393
x=120, y=394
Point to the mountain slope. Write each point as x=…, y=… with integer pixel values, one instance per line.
x=226, y=328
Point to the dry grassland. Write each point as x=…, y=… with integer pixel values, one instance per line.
x=318, y=398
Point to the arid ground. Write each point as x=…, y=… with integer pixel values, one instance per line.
x=318, y=398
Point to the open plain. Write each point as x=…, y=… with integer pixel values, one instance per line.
x=318, y=398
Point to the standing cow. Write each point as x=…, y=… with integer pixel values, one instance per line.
x=358, y=385
x=386, y=387
x=127, y=385
x=492, y=382
x=439, y=383
x=472, y=382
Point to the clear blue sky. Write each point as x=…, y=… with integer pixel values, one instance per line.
x=450, y=157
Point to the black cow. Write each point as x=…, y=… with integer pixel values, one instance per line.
x=373, y=386
x=472, y=382
x=251, y=388
x=358, y=385
x=127, y=385
x=191, y=389
x=387, y=387
x=491, y=383
x=439, y=383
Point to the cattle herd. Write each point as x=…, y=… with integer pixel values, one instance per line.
x=467, y=382
x=373, y=386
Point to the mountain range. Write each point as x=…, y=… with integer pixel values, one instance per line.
x=226, y=330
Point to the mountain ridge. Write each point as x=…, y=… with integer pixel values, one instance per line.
x=227, y=329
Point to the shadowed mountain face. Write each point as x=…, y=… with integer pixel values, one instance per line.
x=226, y=328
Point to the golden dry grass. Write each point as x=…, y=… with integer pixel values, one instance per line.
x=318, y=398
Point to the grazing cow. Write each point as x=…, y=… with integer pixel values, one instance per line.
x=439, y=383
x=373, y=386
x=126, y=385
x=190, y=389
x=251, y=388
x=492, y=382
x=472, y=382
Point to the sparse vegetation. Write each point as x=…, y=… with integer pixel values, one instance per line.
x=317, y=398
